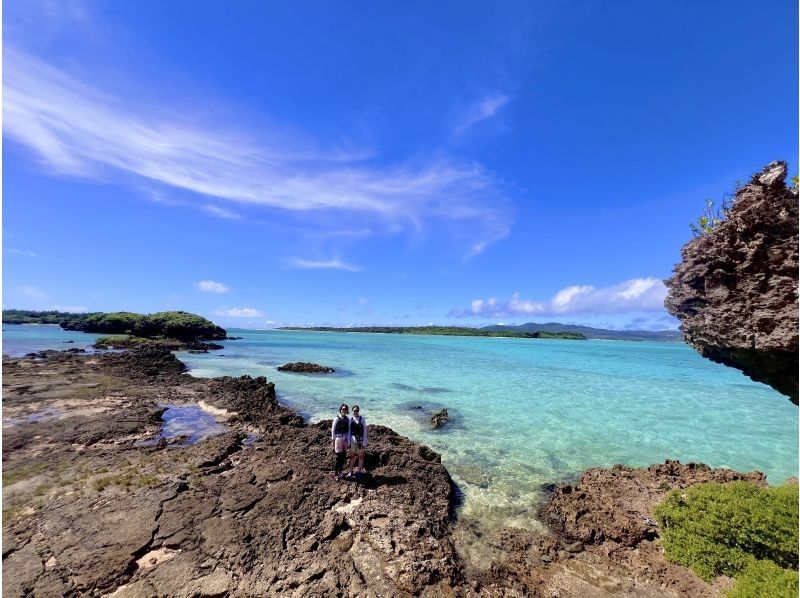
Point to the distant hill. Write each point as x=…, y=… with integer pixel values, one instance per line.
x=597, y=333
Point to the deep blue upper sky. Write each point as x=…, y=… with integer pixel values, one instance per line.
x=379, y=163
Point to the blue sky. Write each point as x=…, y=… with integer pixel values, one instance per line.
x=379, y=163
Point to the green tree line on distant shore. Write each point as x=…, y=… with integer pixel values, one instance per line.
x=445, y=331
x=170, y=324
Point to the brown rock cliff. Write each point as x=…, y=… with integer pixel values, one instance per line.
x=735, y=291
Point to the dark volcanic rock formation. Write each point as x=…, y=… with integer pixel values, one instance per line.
x=736, y=290
x=304, y=367
x=440, y=418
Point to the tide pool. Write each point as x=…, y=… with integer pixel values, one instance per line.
x=526, y=412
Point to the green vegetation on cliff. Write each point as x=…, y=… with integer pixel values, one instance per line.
x=736, y=529
x=170, y=324
x=446, y=331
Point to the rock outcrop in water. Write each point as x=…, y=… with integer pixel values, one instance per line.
x=440, y=418
x=304, y=367
x=735, y=291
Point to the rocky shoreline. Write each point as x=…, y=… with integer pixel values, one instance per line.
x=93, y=507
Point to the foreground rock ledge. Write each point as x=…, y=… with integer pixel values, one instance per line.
x=735, y=291
x=88, y=511
x=92, y=513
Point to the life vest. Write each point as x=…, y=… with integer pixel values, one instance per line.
x=357, y=428
x=341, y=426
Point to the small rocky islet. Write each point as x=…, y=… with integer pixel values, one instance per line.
x=305, y=367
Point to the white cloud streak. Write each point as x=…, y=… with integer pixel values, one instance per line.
x=239, y=312
x=212, y=286
x=638, y=294
x=15, y=251
x=221, y=212
x=33, y=292
x=482, y=110
x=78, y=130
x=333, y=264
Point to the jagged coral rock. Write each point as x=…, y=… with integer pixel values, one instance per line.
x=735, y=291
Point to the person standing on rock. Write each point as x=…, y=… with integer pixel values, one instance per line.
x=340, y=434
x=358, y=441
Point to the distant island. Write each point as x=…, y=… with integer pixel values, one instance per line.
x=178, y=325
x=595, y=333
x=446, y=331
x=529, y=330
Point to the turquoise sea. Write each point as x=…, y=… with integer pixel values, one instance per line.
x=526, y=412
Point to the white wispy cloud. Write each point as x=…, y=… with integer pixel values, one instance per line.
x=481, y=110
x=239, y=312
x=15, y=251
x=80, y=130
x=334, y=264
x=220, y=212
x=362, y=301
x=638, y=294
x=212, y=286
x=33, y=292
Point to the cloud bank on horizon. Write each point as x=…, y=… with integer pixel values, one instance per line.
x=78, y=130
x=636, y=295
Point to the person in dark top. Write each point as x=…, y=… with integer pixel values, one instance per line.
x=358, y=441
x=340, y=435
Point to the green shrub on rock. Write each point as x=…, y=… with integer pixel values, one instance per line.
x=728, y=529
x=765, y=578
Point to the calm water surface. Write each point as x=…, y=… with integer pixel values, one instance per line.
x=526, y=411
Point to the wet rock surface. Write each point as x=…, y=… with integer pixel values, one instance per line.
x=304, y=367
x=89, y=510
x=735, y=291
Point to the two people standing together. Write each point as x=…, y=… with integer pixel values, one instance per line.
x=349, y=433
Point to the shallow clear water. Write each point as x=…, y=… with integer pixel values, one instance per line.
x=528, y=412
x=20, y=339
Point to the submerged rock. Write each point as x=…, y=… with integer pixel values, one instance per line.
x=440, y=418
x=304, y=367
x=735, y=291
